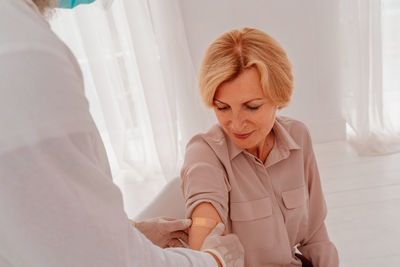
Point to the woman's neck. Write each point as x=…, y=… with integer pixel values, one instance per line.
x=264, y=148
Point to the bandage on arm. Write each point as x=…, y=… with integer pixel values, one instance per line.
x=204, y=218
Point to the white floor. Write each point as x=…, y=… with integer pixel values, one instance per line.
x=363, y=197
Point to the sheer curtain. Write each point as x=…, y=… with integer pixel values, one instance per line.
x=371, y=62
x=139, y=81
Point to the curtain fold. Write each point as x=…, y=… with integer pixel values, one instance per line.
x=366, y=105
x=139, y=80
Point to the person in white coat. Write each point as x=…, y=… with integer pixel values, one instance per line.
x=58, y=204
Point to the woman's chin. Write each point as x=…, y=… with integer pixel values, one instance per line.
x=243, y=144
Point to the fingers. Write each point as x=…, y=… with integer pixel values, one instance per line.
x=175, y=243
x=218, y=230
x=166, y=219
x=181, y=235
x=176, y=225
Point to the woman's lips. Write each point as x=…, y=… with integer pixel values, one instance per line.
x=242, y=136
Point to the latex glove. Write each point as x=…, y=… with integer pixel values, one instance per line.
x=227, y=249
x=165, y=232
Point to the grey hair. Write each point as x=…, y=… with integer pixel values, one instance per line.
x=46, y=6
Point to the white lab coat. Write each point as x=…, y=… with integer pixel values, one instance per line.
x=58, y=204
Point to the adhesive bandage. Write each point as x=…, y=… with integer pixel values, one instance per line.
x=203, y=222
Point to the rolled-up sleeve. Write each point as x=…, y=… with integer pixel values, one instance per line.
x=204, y=179
x=317, y=246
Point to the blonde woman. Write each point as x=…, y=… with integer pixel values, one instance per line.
x=255, y=171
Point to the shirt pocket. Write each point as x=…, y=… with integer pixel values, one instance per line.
x=296, y=214
x=295, y=198
x=253, y=222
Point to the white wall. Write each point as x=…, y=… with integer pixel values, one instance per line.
x=307, y=30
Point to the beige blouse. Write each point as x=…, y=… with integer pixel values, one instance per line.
x=273, y=207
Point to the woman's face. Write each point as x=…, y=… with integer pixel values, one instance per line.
x=243, y=111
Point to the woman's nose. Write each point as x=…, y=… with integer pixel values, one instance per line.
x=238, y=122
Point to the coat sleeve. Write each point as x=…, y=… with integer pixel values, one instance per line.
x=60, y=208
x=58, y=204
x=316, y=246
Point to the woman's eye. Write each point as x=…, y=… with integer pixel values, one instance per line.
x=253, y=108
x=222, y=108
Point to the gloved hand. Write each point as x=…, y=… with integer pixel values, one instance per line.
x=164, y=232
x=227, y=249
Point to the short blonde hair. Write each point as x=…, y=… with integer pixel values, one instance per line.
x=237, y=50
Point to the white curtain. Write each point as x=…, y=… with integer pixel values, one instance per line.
x=139, y=81
x=370, y=71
